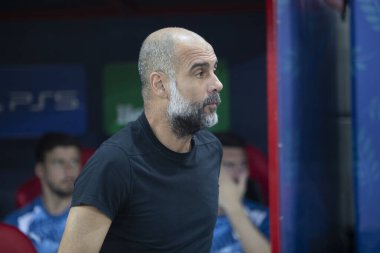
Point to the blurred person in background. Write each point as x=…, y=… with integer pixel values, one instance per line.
x=58, y=160
x=242, y=224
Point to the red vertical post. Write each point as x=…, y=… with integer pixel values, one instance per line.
x=273, y=154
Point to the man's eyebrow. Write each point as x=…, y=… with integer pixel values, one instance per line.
x=199, y=64
x=202, y=64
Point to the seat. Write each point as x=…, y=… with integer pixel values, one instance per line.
x=258, y=170
x=28, y=191
x=31, y=188
x=14, y=241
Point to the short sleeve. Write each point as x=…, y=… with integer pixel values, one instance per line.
x=104, y=183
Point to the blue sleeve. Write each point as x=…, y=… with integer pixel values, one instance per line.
x=13, y=218
x=259, y=215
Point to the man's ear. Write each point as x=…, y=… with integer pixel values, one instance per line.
x=158, y=83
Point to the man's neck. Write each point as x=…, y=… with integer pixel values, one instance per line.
x=54, y=204
x=163, y=132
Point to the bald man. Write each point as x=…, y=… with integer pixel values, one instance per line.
x=153, y=186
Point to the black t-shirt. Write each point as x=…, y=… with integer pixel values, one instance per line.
x=158, y=200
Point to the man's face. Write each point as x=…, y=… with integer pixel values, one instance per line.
x=234, y=162
x=194, y=95
x=60, y=169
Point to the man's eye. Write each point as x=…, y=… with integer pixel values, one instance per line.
x=228, y=165
x=199, y=74
x=57, y=162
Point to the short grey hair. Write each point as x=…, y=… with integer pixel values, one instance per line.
x=156, y=54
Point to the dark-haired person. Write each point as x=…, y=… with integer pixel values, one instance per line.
x=57, y=166
x=242, y=224
x=153, y=186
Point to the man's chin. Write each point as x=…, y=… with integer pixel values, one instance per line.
x=65, y=192
x=210, y=120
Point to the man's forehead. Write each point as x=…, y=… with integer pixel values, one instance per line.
x=233, y=152
x=58, y=150
x=196, y=55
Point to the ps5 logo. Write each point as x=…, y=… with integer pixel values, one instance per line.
x=59, y=100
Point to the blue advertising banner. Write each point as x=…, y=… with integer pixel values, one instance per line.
x=366, y=121
x=39, y=98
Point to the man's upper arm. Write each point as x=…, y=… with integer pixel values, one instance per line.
x=85, y=230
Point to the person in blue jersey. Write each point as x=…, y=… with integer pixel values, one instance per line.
x=58, y=158
x=242, y=224
x=153, y=186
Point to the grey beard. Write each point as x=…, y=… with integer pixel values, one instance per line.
x=59, y=192
x=187, y=125
x=185, y=118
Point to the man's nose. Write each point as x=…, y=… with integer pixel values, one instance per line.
x=71, y=167
x=215, y=85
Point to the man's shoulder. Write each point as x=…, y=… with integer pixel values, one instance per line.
x=126, y=139
x=29, y=208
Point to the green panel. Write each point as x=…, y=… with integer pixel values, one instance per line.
x=123, y=101
x=224, y=108
x=122, y=95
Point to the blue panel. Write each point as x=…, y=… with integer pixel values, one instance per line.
x=38, y=98
x=366, y=121
x=288, y=137
x=307, y=131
